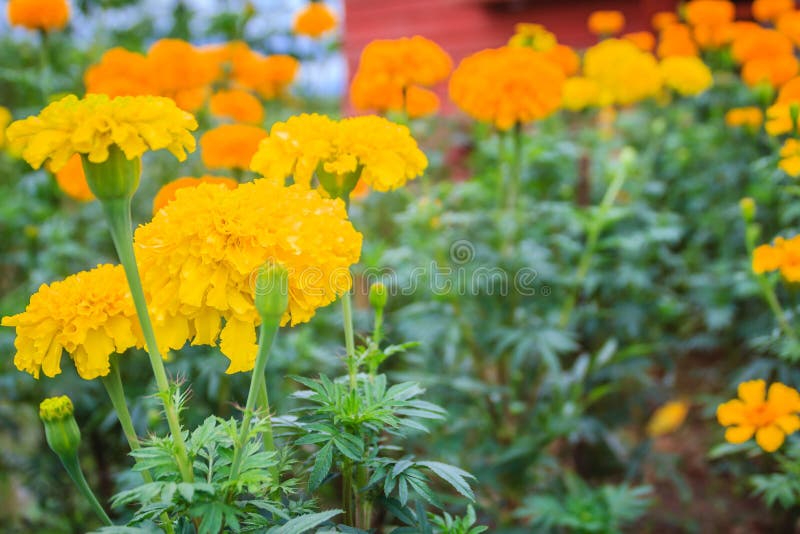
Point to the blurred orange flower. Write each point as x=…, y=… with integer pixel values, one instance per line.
x=72, y=181
x=38, y=14
x=709, y=12
x=751, y=43
x=644, y=41
x=749, y=117
x=769, y=10
x=789, y=25
x=420, y=102
x=676, y=40
x=774, y=71
x=120, y=73
x=565, y=57
x=237, y=105
x=230, y=146
x=662, y=19
x=314, y=21
x=167, y=192
x=183, y=72
x=606, y=23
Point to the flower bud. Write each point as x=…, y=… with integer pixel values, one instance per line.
x=61, y=430
x=115, y=178
x=748, y=207
x=378, y=295
x=272, y=292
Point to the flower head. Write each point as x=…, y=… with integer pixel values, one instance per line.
x=121, y=73
x=508, y=85
x=230, y=146
x=72, y=180
x=770, y=416
x=769, y=10
x=644, y=41
x=788, y=24
x=92, y=124
x=608, y=22
x=623, y=73
x=38, y=14
x=56, y=408
x=749, y=117
x=790, y=157
x=90, y=315
x=167, y=192
x=676, y=40
x=314, y=21
x=783, y=255
x=237, y=105
x=667, y=418
x=782, y=118
x=662, y=19
x=200, y=253
x=420, y=102
x=5, y=120
x=181, y=72
x=774, y=71
x=710, y=12
x=686, y=75
x=580, y=93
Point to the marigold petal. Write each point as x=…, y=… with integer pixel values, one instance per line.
x=238, y=343
x=789, y=424
x=731, y=413
x=752, y=391
x=770, y=438
x=739, y=434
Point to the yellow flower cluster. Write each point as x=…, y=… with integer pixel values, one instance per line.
x=508, y=85
x=624, y=74
x=384, y=152
x=199, y=256
x=90, y=315
x=688, y=76
x=770, y=416
x=91, y=125
x=390, y=68
x=783, y=255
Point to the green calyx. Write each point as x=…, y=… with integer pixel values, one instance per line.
x=115, y=178
x=272, y=292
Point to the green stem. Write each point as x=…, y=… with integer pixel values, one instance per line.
x=44, y=64
x=118, y=213
x=349, y=338
x=347, y=494
x=592, y=236
x=72, y=466
x=515, y=169
x=363, y=504
x=267, y=333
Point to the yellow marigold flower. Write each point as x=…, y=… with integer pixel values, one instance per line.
x=420, y=102
x=565, y=57
x=90, y=315
x=709, y=12
x=662, y=19
x=181, y=72
x=72, y=180
x=676, y=40
x=534, y=36
x=789, y=25
x=769, y=10
x=38, y=14
x=5, y=120
x=315, y=20
x=774, y=71
x=230, y=146
x=770, y=416
x=790, y=157
x=623, y=73
x=608, y=22
x=92, y=124
x=121, y=73
x=686, y=75
x=580, y=93
x=783, y=255
x=667, y=418
x=388, y=67
x=237, y=105
x=644, y=41
x=749, y=117
x=167, y=192
x=782, y=118
x=200, y=254
x=385, y=152
x=506, y=86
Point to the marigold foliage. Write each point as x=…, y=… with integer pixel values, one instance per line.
x=230, y=146
x=90, y=315
x=38, y=14
x=508, y=85
x=769, y=416
x=199, y=256
x=92, y=124
x=314, y=21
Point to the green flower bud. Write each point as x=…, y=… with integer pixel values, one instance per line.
x=115, y=178
x=60, y=429
x=378, y=295
x=272, y=292
x=748, y=207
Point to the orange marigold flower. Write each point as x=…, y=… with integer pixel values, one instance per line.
x=72, y=181
x=748, y=117
x=751, y=43
x=676, y=40
x=789, y=25
x=606, y=23
x=790, y=92
x=183, y=72
x=230, y=146
x=782, y=118
x=167, y=192
x=667, y=418
x=783, y=255
x=378, y=93
x=277, y=72
x=709, y=12
x=237, y=105
x=38, y=14
x=770, y=416
x=769, y=10
x=269, y=76
x=314, y=21
x=421, y=102
x=790, y=157
x=644, y=41
x=120, y=73
x=774, y=71
x=662, y=19
x=565, y=57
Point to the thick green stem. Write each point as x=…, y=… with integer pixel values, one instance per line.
x=363, y=504
x=349, y=338
x=347, y=494
x=72, y=466
x=267, y=334
x=118, y=213
x=592, y=236
x=44, y=64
